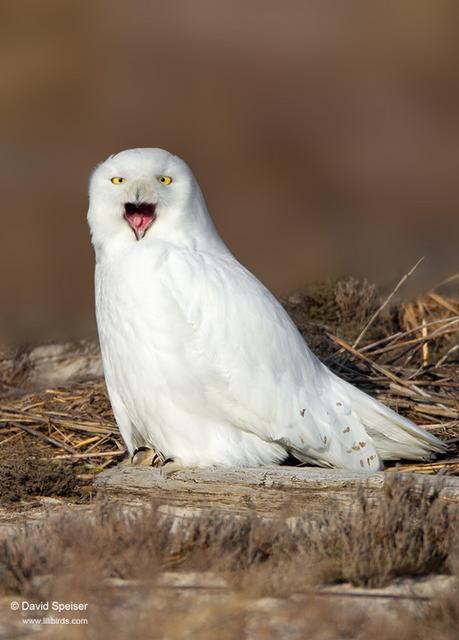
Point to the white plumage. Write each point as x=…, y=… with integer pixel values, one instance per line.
x=201, y=361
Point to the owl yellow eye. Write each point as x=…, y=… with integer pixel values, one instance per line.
x=118, y=180
x=164, y=179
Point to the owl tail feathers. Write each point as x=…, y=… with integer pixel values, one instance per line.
x=394, y=436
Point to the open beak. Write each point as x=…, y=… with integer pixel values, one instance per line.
x=140, y=216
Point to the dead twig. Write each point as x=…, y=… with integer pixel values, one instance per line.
x=42, y=436
x=386, y=302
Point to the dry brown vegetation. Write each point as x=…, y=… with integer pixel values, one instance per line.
x=23, y=474
x=411, y=531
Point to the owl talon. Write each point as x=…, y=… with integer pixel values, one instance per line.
x=158, y=460
x=147, y=457
x=144, y=456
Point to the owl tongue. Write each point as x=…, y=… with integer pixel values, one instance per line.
x=137, y=220
x=140, y=217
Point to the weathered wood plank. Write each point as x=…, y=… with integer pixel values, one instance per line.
x=266, y=490
x=52, y=364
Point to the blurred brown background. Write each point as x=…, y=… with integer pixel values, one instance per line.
x=325, y=135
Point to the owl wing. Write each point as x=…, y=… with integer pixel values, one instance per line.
x=258, y=372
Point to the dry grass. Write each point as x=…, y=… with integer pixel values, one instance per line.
x=411, y=531
x=66, y=426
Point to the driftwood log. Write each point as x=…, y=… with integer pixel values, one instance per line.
x=265, y=490
x=51, y=364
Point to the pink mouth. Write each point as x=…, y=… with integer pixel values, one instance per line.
x=140, y=217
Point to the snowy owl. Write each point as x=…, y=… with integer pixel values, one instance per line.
x=202, y=364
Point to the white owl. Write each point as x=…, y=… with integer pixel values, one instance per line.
x=202, y=363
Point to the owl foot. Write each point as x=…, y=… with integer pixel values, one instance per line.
x=146, y=457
